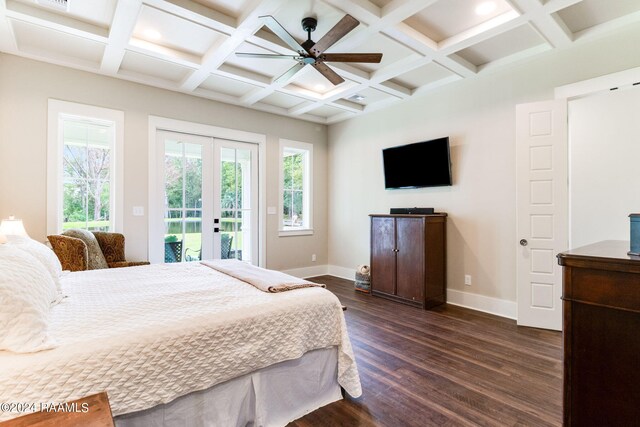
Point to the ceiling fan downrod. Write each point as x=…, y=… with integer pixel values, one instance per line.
x=309, y=24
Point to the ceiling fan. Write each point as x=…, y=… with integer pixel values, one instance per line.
x=312, y=53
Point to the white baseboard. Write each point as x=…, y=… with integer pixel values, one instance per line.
x=342, y=272
x=496, y=306
x=499, y=307
x=302, y=272
x=320, y=270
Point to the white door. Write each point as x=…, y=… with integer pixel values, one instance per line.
x=542, y=211
x=206, y=201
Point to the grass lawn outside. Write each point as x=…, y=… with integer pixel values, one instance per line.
x=193, y=242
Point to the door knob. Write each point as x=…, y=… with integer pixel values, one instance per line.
x=523, y=242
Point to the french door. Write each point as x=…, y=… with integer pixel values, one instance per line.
x=208, y=202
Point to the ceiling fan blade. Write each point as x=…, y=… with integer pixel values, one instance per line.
x=351, y=57
x=279, y=31
x=346, y=24
x=290, y=73
x=330, y=75
x=266, y=56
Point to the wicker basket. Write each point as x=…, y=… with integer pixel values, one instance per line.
x=363, y=282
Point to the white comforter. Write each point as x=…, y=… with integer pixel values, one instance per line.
x=150, y=334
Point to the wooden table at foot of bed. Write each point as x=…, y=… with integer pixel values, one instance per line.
x=90, y=411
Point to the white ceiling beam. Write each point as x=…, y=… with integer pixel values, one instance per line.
x=518, y=56
x=7, y=37
x=124, y=21
x=393, y=89
x=339, y=117
x=436, y=84
x=32, y=15
x=240, y=74
x=399, y=10
x=332, y=97
x=457, y=64
x=269, y=41
x=363, y=10
x=258, y=94
x=197, y=13
x=427, y=47
x=542, y=19
x=165, y=53
x=498, y=25
x=411, y=38
x=552, y=6
x=402, y=66
x=348, y=105
x=249, y=24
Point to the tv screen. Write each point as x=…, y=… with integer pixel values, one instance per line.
x=423, y=164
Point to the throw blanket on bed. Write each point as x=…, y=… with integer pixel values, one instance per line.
x=265, y=280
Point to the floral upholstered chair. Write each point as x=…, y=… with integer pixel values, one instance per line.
x=80, y=250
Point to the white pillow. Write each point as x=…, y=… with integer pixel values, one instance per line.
x=24, y=317
x=42, y=253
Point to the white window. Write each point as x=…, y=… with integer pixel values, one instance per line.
x=296, y=160
x=84, y=177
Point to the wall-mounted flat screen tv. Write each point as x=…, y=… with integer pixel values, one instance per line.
x=423, y=164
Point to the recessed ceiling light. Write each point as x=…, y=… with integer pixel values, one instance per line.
x=152, y=34
x=486, y=8
x=319, y=86
x=356, y=98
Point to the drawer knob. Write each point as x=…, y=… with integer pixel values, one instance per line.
x=523, y=242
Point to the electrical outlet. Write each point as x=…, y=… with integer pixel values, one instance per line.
x=313, y=258
x=467, y=279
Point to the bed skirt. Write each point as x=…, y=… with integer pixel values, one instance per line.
x=272, y=396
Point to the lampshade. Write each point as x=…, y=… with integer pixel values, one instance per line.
x=12, y=227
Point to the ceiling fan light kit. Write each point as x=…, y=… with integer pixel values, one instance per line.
x=312, y=53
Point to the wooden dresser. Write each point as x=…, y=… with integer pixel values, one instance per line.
x=601, y=293
x=408, y=258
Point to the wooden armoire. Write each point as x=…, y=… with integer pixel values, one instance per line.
x=408, y=258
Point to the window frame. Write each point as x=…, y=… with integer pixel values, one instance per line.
x=57, y=112
x=307, y=189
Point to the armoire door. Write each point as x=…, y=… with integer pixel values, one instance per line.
x=383, y=255
x=410, y=258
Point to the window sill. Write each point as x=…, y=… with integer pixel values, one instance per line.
x=295, y=232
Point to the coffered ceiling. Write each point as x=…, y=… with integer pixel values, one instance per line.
x=189, y=46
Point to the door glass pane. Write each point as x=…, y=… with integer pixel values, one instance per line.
x=228, y=178
x=193, y=180
x=173, y=170
x=183, y=201
x=173, y=235
x=193, y=235
x=235, y=203
x=227, y=233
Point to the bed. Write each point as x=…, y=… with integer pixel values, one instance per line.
x=181, y=344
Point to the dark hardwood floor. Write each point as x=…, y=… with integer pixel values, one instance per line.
x=447, y=366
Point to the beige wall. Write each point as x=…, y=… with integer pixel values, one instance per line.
x=25, y=87
x=479, y=117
